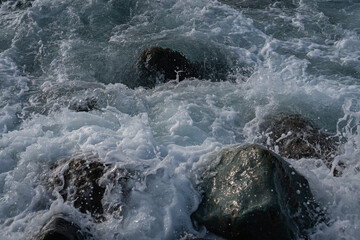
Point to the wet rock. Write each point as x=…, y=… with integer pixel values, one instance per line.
x=293, y=136
x=160, y=65
x=18, y=5
x=86, y=105
x=120, y=184
x=77, y=180
x=58, y=228
x=85, y=181
x=253, y=193
x=193, y=238
x=259, y=4
x=23, y=4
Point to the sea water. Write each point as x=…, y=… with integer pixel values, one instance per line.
x=261, y=57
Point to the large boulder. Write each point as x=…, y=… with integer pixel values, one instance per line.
x=252, y=193
x=59, y=228
x=160, y=65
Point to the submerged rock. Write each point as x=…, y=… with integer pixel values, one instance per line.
x=18, y=5
x=86, y=105
x=160, y=65
x=58, y=228
x=84, y=181
x=253, y=193
x=77, y=180
x=293, y=136
x=259, y=4
x=193, y=239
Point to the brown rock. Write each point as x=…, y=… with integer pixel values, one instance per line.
x=296, y=137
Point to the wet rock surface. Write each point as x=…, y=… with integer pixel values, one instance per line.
x=86, y=105
x=293, y=136
x=258, y=4
x=77, y=180
x=84, y=181
x=59, y=228
x=253, y=193
x=18, y=5
x=160, y=65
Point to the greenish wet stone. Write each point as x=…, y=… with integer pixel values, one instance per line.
x=58, y=228
x=255, y=194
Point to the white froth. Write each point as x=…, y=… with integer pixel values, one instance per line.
x=302, y=59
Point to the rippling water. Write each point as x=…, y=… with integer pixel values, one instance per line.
x=262, y=57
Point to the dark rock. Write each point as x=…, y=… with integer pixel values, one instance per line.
x=86, y=105
x=296, y=137
x=83, y=180
x=259, y=4
x=253, y=193
x=23, y=4
x=18, y=5
x=121, y=182
x=78, y=182
x=193, y=239
x=58, y=228
x=160, y=65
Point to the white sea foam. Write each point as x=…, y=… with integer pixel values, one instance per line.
x=299, y=58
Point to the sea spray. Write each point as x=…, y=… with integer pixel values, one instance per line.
x=297, y=57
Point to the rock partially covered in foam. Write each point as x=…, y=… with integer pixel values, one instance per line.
x=86, y=105
x=77, y=180
x=159, y=65
x=18, y=5
x=84, y=180
x=259, y=4
x=253, y=193
x=296, y=137
x=58, y=228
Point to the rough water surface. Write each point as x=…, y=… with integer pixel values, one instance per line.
x=261, y=58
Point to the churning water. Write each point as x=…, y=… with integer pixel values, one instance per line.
x=262, y=57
